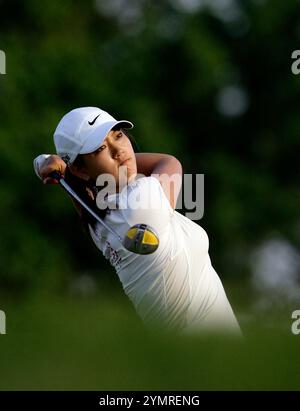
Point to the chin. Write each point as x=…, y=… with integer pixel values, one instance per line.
x=131, y=177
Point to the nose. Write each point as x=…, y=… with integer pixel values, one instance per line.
x=117, y=150
x=118, y=153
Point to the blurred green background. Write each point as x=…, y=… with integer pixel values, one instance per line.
x=208, y=81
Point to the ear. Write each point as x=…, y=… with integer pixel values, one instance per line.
x=79, y=172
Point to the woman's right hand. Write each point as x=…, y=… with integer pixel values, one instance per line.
x=52, y=163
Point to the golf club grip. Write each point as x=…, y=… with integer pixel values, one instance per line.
x=56, y=175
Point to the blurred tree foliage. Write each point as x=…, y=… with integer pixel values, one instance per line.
x=207, y=81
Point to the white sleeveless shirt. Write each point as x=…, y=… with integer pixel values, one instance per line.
x=175, y=287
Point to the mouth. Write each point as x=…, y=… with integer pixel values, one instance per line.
x=125, y=162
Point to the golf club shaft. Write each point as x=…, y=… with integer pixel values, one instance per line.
x=57, y=176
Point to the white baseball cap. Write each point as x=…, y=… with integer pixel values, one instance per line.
x=82, y=131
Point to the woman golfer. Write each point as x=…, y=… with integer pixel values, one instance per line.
x=176, y=286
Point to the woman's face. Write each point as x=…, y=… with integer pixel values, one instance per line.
x=110, y=156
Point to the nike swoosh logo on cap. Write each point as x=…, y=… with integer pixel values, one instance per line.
x=93, y=122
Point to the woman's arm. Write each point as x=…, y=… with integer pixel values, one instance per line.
x=166, y=168
x=44, y=164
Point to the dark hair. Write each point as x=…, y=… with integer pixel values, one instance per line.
x=83, y=187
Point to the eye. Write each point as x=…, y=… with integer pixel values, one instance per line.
x=119, y=135
x=100, y=149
